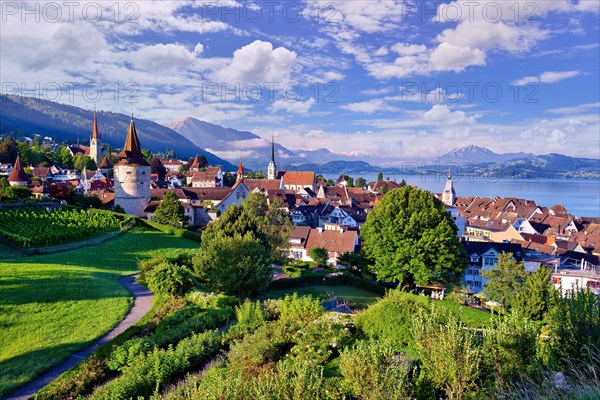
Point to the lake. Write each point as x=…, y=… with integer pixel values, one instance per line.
x=581, y=197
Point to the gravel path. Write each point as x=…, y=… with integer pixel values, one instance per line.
x=141, y=305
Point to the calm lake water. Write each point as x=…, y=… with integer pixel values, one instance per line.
x=581, y=197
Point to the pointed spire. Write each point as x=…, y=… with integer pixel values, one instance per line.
x=272, y=148
x=95, y=133
x=240, y=172
x=196, y=163
x=105, y=164
x=18, y=173
x=132, y=152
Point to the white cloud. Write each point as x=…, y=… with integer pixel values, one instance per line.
x=377, y=92
x=164, y=56
x=547, y=77
x=296, y=107
x=369, y=106
x=406, y=49
x=440, y=113
x=448, y=57
x=259, y=62
x=581, y=108
x=552, y=77
x=382, y=51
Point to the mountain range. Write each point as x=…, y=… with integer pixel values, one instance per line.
x=255, y=151
x=27, y=115
x=21, y=116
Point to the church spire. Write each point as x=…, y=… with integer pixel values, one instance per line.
x=240, y=172
x=95, y=133
x=18, y=175
x=272, y=169
x=449, y=195
x=132, y=153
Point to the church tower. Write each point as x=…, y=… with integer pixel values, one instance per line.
x=240, y=173
x=272, y=170
x=95, y=142
x=449, y=195
x=132, y=176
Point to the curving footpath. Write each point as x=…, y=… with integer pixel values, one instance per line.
x=142, y=302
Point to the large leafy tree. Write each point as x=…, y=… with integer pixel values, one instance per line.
x=533, y=298
x=171, y=212
x=319, y=255
x=237, y=249
x=272, y=221
x=237, y=265
x=157, y=167
x=8, y=150
x=411, y=238
x=505, y=280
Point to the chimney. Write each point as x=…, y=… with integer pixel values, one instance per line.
x=320, y=229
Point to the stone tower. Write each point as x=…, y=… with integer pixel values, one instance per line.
x=95, y=143
x=272, y=170
x=132, y=176
x=449, y=195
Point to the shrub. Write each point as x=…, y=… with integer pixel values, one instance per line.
x=390, y=319
x=449, y=353
x=299, y=309
x=166, y=278
x=319, y=255
x=240, y=266
x=373, y=370
x=146, y=265
x=150, y=371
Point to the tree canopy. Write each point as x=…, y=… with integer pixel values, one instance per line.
x=504, y=280
x=171, y=212
x=411, y=238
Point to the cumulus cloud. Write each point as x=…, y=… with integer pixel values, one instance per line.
x=295, y=107
x=442, y=114
x=165, y=56
x=259, y=62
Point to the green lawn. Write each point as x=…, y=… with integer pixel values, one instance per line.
x=353, y=294
x=55, y=304
x=471, y=316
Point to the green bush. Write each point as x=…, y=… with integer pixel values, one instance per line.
x=373, y=370
x=292, y=271
x=150, y=371
x=166, y=278
x=390, y=319
x=146, y=265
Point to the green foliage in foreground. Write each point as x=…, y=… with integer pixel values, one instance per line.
x=53, y=305
x=167, y=278
x=176, y=336
x=27, y=227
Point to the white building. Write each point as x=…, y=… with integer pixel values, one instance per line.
x=132, y=176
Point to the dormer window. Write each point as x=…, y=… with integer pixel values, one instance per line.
x=474, y=258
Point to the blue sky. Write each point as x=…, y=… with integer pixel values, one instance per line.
x=390, y=80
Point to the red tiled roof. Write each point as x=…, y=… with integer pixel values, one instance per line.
x=105, y=164
x=332, y=240
x=252, y=184
x=18, y=173
x=304, y=178
x=132, y=152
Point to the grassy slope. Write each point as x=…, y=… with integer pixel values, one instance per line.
x=53, y=305
x=353, y=294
